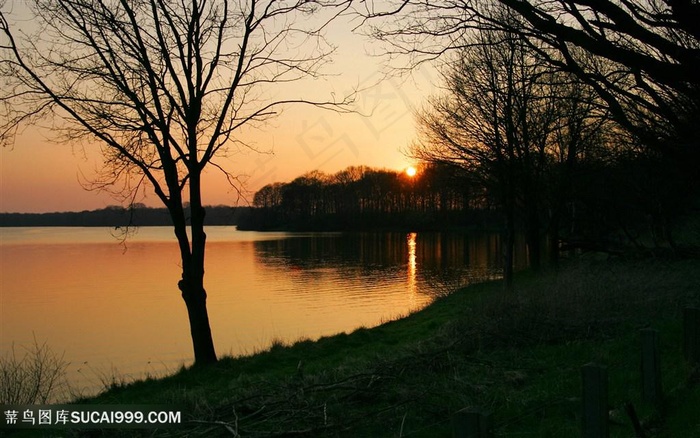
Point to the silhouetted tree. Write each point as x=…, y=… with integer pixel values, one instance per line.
x=439, y=196
x=478, y=124
x=518, y=124
x=303, y=197
x=651, y=49
x=582, y=132
x=163, y=87
x=642, y=57
x=270, y=196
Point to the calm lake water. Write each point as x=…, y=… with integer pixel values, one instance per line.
x=114, y=308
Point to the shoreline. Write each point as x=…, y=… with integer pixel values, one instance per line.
x=516, y=353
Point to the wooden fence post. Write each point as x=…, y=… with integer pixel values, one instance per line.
x=651, y=367
x=691, y=335
x=471, y=423
x=595, y=401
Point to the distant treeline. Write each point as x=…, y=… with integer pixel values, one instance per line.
x=613, y=201
x=363, y=198
x=116, y=216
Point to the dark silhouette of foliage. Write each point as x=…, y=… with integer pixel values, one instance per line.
x=598, y=186
x=360, y=198
x=519, y=125
x=642, y=57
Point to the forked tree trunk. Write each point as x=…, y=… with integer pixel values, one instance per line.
x=192, y=283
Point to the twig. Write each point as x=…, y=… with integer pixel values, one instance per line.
x=223, y=424
x=638, y=430
x=403, y=420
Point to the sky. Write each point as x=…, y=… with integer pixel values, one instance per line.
x=40, y=175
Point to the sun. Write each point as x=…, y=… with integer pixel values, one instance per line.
x=411, y=171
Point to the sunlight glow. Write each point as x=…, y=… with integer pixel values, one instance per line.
x=412, y=287
x=411, y=171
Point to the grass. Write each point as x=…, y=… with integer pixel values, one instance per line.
x=517, y=355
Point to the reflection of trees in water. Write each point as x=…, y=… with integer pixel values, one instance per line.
x=443, y=260
x=323, y=250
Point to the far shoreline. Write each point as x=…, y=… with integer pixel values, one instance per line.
x=240, y=217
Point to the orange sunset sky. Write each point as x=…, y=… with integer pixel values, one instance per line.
x=39, y=175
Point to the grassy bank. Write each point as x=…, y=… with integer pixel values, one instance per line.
x=515, y=354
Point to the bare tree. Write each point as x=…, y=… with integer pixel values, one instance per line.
x=641, y=56
x=654, y=45
x=508, y=117
x=478, y=123
x=164, y=87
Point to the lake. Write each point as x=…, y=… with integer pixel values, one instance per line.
x=112, y=306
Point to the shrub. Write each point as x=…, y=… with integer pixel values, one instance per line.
x=37, y=377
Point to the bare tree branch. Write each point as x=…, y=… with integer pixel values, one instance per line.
x=642, y=56
x=163, y=87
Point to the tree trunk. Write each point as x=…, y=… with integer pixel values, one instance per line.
x=192, y=283
x=554, y=242
x=533, y=240
x=196, y=301
x=509, y=243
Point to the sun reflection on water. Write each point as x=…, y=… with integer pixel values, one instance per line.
x=411, y=240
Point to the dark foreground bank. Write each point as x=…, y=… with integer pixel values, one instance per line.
x=516, y=355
